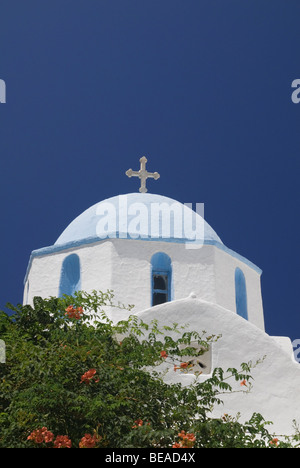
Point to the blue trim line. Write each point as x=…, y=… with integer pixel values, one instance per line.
x=93, y=240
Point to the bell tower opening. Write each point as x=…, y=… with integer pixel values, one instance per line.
x=161, y=277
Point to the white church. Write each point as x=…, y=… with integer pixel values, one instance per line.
x=163, y=257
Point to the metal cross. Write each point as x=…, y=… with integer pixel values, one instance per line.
x=143, y=174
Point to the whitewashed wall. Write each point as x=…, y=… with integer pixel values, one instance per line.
x=125, y=267
x=276, y=381
x=225, y=266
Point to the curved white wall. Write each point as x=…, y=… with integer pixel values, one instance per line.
x=276, y=381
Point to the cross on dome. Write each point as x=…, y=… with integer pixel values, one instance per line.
x=143, y=174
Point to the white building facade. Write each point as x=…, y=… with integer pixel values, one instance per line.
x=99, y=250
x=162, y=257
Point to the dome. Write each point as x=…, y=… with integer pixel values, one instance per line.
x=141, y=216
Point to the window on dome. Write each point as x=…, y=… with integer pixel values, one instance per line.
x=161, y=273
x=70, y=276
x=241, y=294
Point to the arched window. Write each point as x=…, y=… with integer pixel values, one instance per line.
x=70, y=275
x=241, y=294
x=161, y=278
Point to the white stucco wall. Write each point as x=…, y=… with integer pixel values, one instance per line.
x=131, y=266
x=43, y=276
x=275, y=393
x=225, y=266
x=124, y=266
x=96, y=266
x=45, y=270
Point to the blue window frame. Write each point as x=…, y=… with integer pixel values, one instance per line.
x=70, y=276
x=241, y=294
x=161, y=276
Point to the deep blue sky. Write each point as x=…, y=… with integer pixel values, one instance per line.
x=201, y=87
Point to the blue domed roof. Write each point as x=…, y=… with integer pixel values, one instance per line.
x=139, y=216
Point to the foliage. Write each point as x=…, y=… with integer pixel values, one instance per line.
x=74, y=379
